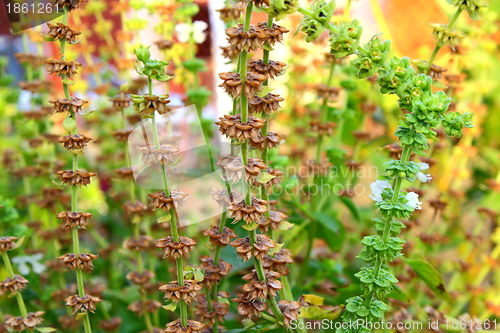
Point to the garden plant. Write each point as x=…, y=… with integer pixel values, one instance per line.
x=188, y=166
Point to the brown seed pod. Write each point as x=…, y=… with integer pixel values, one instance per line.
x=290, y=311
x=214, y=273
x=141, y=243
x=176, y=249
x=161, y=201
x=176, y=327
x=247, y=40
x=75, y=178
x=66, y=105
x=267, y=104
x=248, y=213
x=74, y=141
x=20, y=324
x=82, y=304
x=186, y=293
x=140, y=278
x=62, y=31
x=258, y=249
x=7, y=243
x=271, y=141
x=149, y=305
x=74, y=219
x=256, y=289
x=217, y=312
x=62, y=68
x=110, y=325
x=232, y=127
x=233, y=84
x=274, y=220
x=81, y=261
x=13, y=284
x=248, y=307
x=218, y=238
x=272, y=70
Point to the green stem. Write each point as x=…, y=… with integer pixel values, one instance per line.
x=173, y=222
x=252, y=235
x=438, y=45
x=19, y=297
x=405, y=157
x=74, y=189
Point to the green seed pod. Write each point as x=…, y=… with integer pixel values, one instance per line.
x=69, y=124
x=142, y=53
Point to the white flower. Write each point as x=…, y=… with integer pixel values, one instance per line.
x=23, y=261
x=412, y=198
x=196, y=30
x=377, y=187
x=424, y=178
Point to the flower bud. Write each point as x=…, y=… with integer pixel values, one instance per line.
x=142, y=53
x=69, y=124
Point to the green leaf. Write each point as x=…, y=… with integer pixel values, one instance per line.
x=170, y=307
x=285, y=225
x=352, y=207
x=45, y=329
x=439, y=84
x=250, y=227
x=19, y=242
x=164, y=218
x=321, y=312
x=431, y=276
x=199, y=276
x=313, y=299
x=80, y=315
x=48, y=38
x=330, y=230
x=264, y=92
x=265, y=177
x=68, y=81
x=276, y=249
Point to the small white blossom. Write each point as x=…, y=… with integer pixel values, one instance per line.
x=412, y=198
x=377, y=188
x=196, y=30
x=23, y=261
x=424, y=178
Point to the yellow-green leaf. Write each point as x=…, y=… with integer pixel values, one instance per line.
x=81, y=315
x=264, y=177
x=431, y=276
x=276, y=249
x=320, y=312
x=170, y=307
x=165, y=218
x=313, y=299
x=250, y=227
x=45, y=329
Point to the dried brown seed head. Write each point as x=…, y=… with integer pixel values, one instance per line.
x=176, y=249
x=74, y=219
x=176, y=327
x=81, y=261
x=186, y=293
x=82, y=304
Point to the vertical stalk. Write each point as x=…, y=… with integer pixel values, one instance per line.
x=19, y=297
x=252, y=235
x=438, y=45
x=405, y=157
x=173, y=223
x=74, y=188
x=317, y=179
